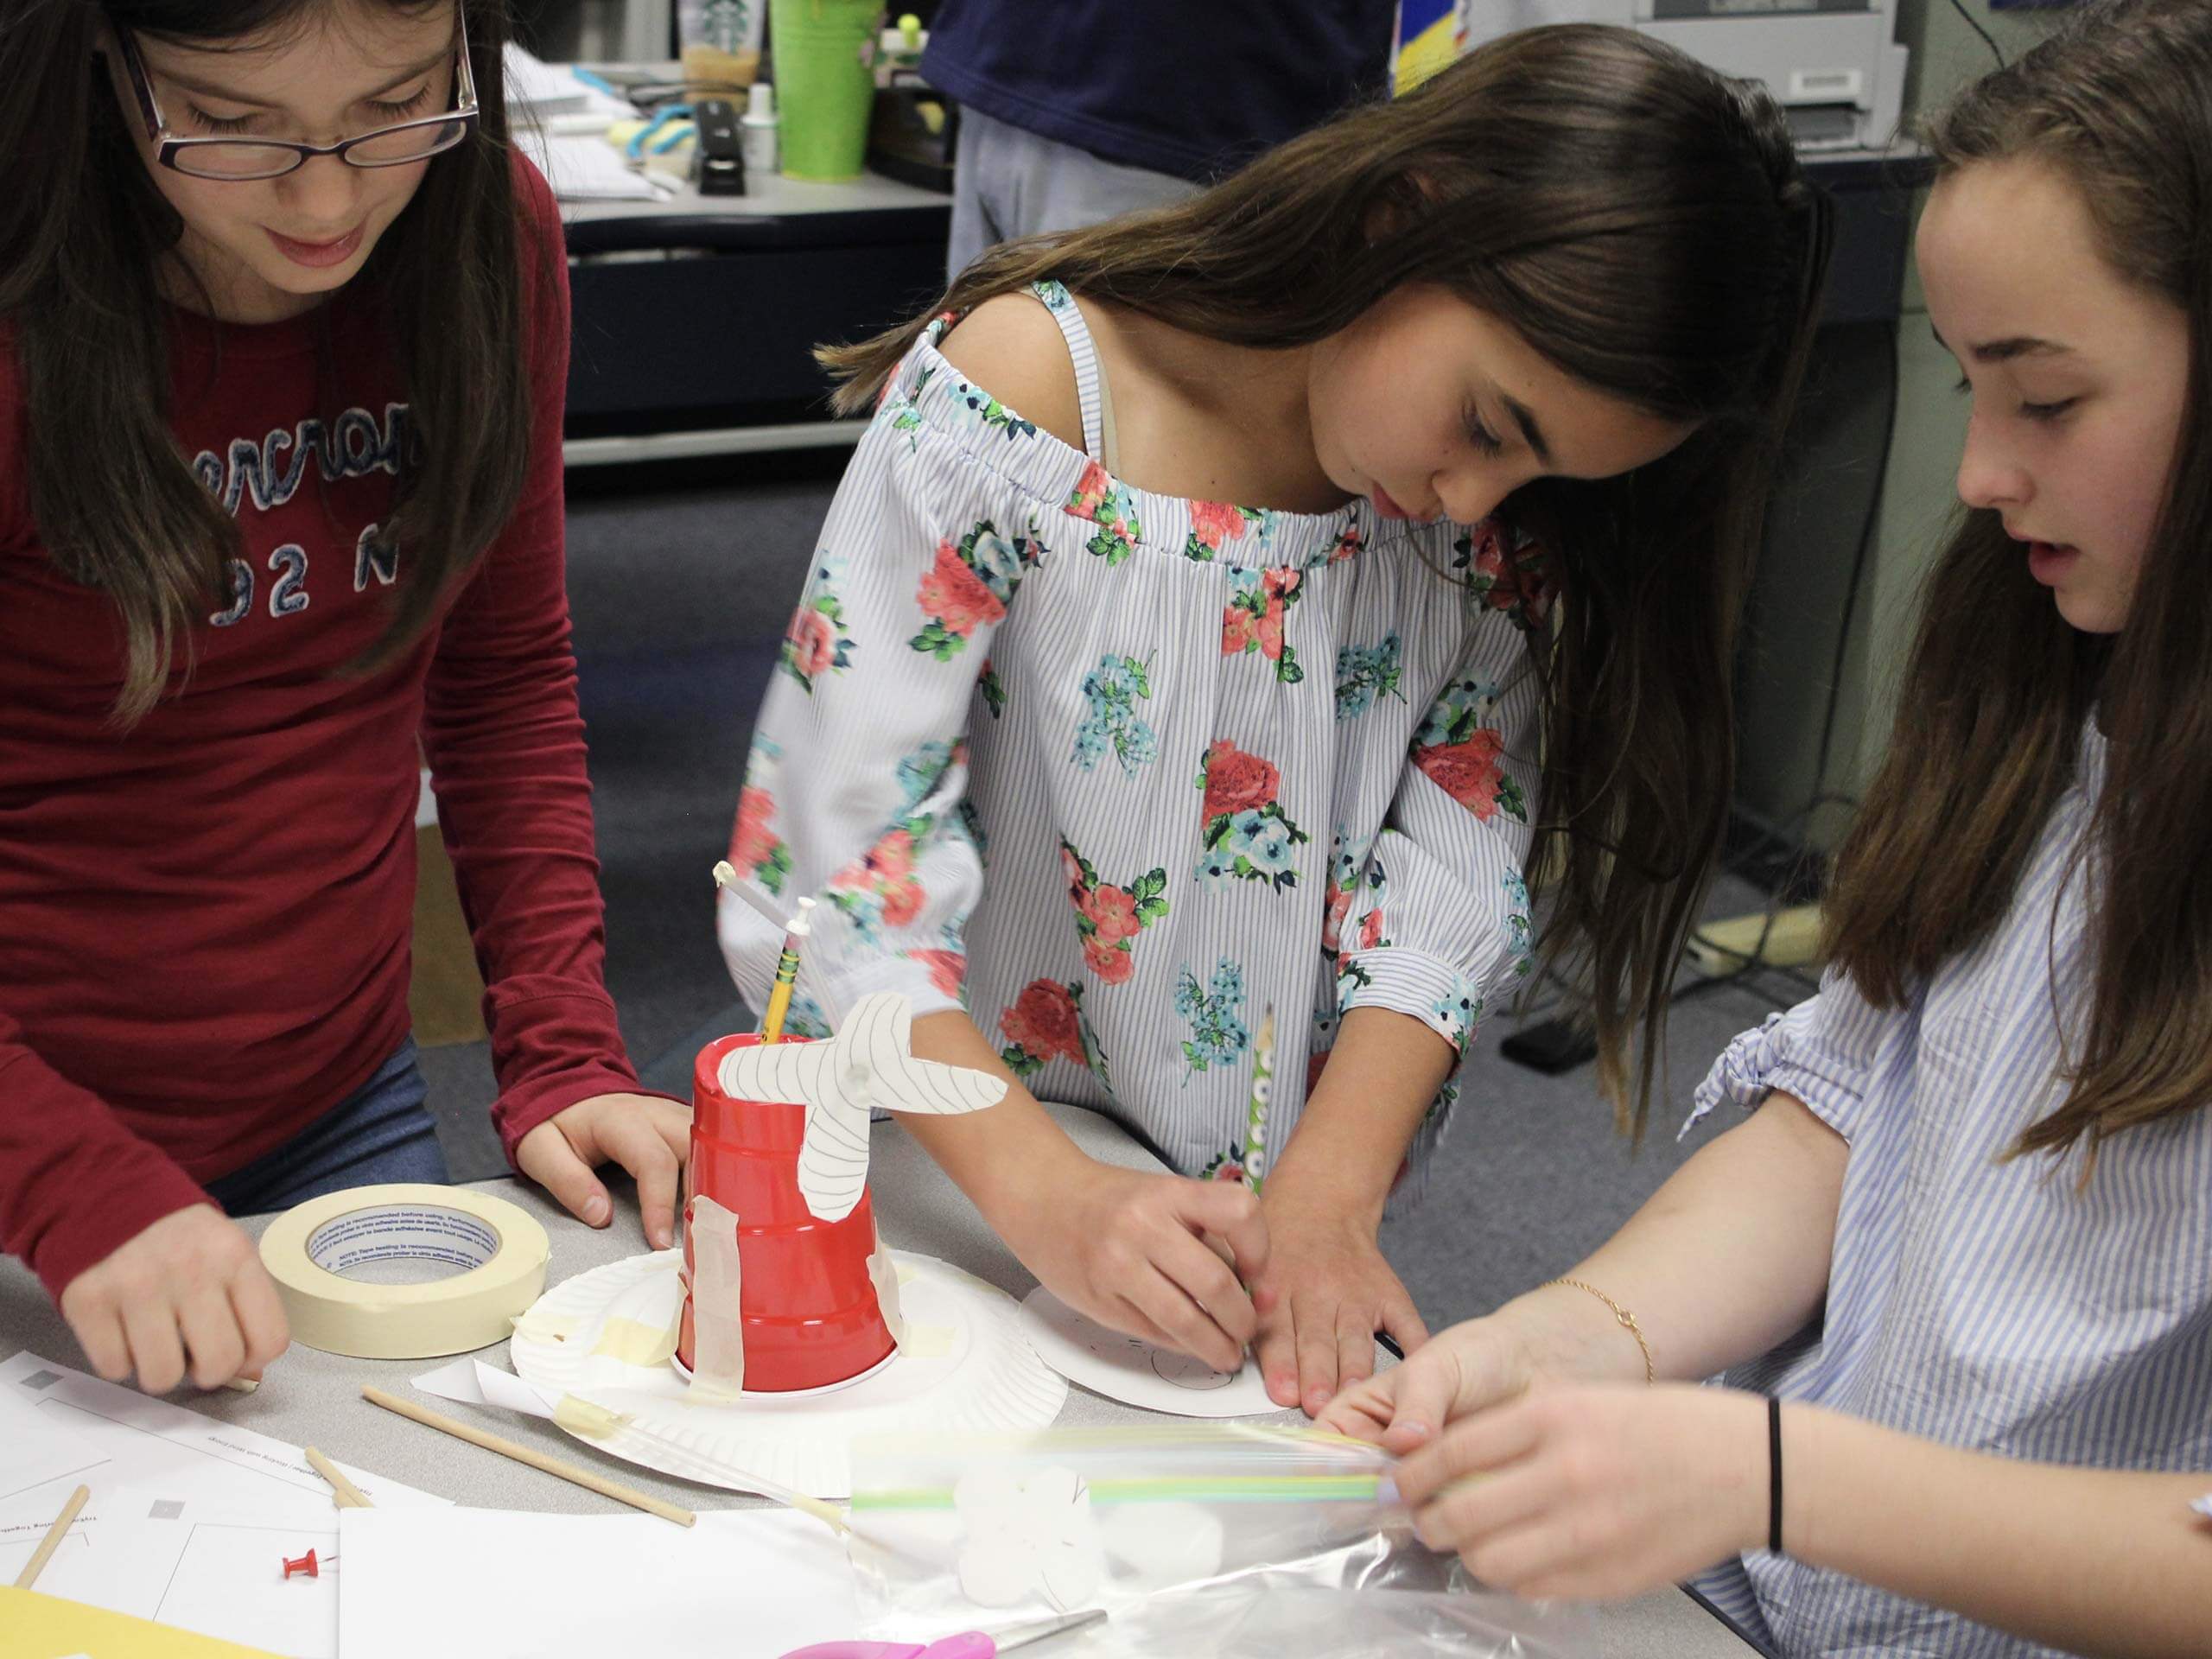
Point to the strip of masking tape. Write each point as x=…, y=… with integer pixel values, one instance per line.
x=500, y=1249
x=536, y=1327
x=579, y=1416
x=905, y=1274
x=883, y=1273
x=926, y=1341
x=635, y=1343
x=717, y=1321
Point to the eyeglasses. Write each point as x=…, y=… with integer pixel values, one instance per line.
x=269, y=158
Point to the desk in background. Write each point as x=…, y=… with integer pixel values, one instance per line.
x=695, y=318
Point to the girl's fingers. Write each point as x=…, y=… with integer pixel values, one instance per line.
x=546, y=1157
x=1422, y=1390
x=1317, y=1356
x=98, y=1330
x=260, y=1314
x=1355, y=1347
x=1277, y=1351
x=1402, y=1320
x=636, y=1143
x=211, y=1338
x=1514, y=1556
x=1231, y=1213
x=1475, y=1444
x=1363, y=1412
x=1129, y=1317
x=1479, y=1507
x=1188, y=1326
x=149, y=1326
x=1204, y=1278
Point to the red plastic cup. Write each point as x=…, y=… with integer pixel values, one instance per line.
x=809, y=1307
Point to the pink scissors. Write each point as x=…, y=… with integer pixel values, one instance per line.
x=968, y=1644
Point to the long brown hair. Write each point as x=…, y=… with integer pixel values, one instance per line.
x=2000, y=685
x=1642, y=222
x=82, y=231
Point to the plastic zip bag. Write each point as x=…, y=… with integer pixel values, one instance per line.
x=1245, y=1539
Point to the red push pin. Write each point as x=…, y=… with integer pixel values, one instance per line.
x=308, y=1565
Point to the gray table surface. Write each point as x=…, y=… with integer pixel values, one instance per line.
x=315, y=1397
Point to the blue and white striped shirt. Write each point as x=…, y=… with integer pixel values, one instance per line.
x=1998, y=1306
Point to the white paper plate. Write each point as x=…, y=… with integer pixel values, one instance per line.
x=1131, y=1370
x=988, y=1379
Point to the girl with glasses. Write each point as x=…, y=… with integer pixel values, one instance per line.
x=283, y=343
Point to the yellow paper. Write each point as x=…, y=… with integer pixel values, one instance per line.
x=33, y=1626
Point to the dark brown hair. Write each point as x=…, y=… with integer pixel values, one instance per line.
x=82, y=231
x=1999, y=685
x=1642, y=222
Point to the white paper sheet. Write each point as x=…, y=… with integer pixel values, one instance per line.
x=190, y=1520
x=472, y=1382
x=583, y=169
x=50, y=1454
x=498, y=1585
x=1132, y=1370
x=548, y=88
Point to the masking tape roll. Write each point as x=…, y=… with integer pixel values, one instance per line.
x=501, y=1251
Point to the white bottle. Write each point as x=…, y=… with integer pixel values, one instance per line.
x=756, y=137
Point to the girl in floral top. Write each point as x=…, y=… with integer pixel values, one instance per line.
x=1098, y=768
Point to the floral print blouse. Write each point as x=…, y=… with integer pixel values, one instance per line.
x=1118, y=772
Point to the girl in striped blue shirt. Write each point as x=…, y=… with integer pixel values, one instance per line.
x=1963, y=1244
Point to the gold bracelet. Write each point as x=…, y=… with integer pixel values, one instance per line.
x=1621, y=1316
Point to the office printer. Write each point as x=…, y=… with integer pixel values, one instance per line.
x=1833, y=65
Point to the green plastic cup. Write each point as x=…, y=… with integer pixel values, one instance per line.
x=824, y=53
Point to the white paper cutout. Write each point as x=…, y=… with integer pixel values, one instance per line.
x=1028, y=1538
x=717, y=1321
x=1130, y=1369
x=474, y=1384
x=1164, y=1544
x=869, y=1062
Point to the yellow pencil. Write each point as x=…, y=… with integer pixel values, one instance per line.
x=796, y=928
x=780, y=997
x=1263, y=1086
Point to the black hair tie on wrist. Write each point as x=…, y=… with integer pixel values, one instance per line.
x=1774, y=1474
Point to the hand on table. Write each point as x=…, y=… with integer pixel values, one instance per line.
x=1595, y=1490
x=1144, y=1254
x=1326, y=1292
x=188, y=1291
x=648, y=1136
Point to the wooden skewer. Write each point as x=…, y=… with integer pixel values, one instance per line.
x=539, y=1460
x=243, y=1384
x=349, y=1496
x=51, y=1542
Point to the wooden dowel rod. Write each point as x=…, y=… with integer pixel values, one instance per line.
x=538, y=1460
x=349, y=1495
x=51, y=1542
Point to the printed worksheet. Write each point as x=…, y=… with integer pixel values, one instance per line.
x=190, y=1522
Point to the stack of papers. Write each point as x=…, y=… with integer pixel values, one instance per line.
x=541, y=89
x=190, y=1520
x=561, y=124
